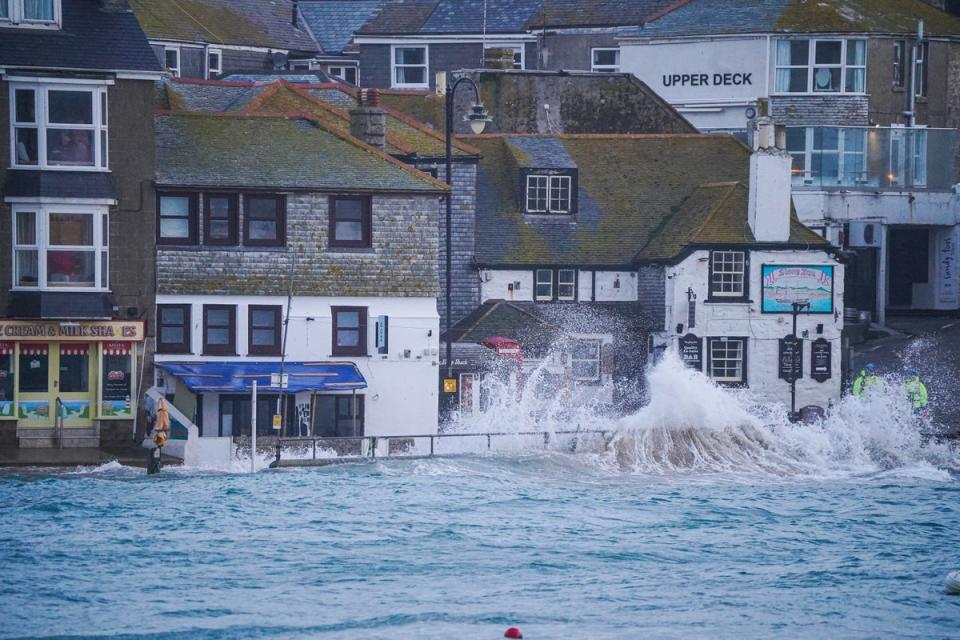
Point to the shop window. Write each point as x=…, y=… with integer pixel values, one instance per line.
x=727, y=360
x=821, y=66
x=264, y=323
x=338, y=416
x=117, y=380
x=74, y=367
x=235, y=414
x=219, y=330
x=61, y=127
x=34, y=368
x=220, y=219
x=64, y=248
x=177, y=218
x=585, y=361
x=728, y=275
x=6, y=378
x=349, y=331
x=410, y=67
x=350, y=222
x=264, y=221
x=173, y=328
x=605, y=60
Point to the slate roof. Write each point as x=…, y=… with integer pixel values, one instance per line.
x=399, y=16
x=630, y=189
x=298, y=77
x=708, y=17
x=333, y=22
x=252, y=23
x=466, y=16
x=90, y=39
x=288, y=152
x=329, y=104
x=597, y=13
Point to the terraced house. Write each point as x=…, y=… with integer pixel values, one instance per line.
x=76, y=282
x=870, y=95
x=318, y=251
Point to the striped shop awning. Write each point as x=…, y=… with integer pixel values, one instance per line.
x=6, y=348
x=74, y=348
x=116, y=348
x=33, y=349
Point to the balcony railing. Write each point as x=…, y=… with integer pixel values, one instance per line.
x=873, y=158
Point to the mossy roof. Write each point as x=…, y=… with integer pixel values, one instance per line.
x=711, y=17
x=640, y=197
x=254, y=23
x=271, y=152
x=328, y=104
x=714, y=215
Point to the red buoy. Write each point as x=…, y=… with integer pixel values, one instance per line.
x=513, y=632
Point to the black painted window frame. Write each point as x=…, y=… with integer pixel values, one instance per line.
x=361, y=348
x=229, y=349
x=265, y=350
x=366, y=222
x=174, y=347
x=192, y=219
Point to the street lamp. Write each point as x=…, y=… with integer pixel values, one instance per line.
x=478, y=119
x=796, y=309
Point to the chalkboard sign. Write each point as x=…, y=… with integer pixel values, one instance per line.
x=821, y=360
x=791, y=358
x=691, y=351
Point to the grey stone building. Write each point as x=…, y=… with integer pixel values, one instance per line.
x=317, y=251
x=77, y=281
x=212, y=38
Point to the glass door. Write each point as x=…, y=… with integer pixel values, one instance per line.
x=74, y=383
x=35, y=382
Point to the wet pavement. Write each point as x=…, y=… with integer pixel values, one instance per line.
x=931, y=345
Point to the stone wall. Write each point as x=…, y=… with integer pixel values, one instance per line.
x=821, y=111
x=402, y=261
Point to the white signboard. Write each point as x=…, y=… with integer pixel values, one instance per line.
x=722, y=70
x=947, y=266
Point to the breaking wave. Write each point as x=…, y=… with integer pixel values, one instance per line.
x=692, y=425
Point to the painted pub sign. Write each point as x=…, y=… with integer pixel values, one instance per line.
x=784, y=285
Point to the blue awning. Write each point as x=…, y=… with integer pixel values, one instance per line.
x=237, y=377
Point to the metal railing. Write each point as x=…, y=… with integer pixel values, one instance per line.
x=366, y=446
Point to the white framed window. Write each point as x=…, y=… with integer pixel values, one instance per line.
x=347, y=74
x=908, y=152
x=214, y=63
x=409, y=67
x=61, y=126
x=60, y=247
x=828, y=156
x=605, y=60
x=171, y=60
x=727, y=360
x=728, y=274
x=548, y=194
x=566, y=284
x=923, y=50
x=585, y=361
x=30, y=13
x=821, y=66
x=543, y=285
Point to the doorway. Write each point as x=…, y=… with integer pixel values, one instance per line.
x=908, y=251
x=48, y=372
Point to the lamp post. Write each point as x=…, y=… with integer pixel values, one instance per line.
x=478, y=119
x=797, y=307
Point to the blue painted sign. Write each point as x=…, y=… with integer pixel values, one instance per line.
x=785, y=284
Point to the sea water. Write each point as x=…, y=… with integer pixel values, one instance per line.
x=699, y=516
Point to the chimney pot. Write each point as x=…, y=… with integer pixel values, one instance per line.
x=368, y=120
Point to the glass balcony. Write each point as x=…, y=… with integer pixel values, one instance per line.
x=873, y=158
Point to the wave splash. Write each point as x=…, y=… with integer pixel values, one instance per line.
x=693, y=425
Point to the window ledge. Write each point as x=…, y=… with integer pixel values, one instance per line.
x=362, y=250
x=344, y=355
x=727, y=301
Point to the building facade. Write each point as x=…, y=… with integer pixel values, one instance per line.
x=77, y=284
x=318, y=253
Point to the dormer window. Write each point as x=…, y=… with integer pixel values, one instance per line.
x=30, y=13
x=550, y=193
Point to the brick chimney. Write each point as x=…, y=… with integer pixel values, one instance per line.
x=368, y=120
x=768, y=209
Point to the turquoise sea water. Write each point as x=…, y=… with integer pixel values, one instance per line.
x=557, y=544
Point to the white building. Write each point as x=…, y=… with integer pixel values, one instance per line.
x=344, y=231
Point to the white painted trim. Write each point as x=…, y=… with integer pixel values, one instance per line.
x=174, y=71
x=605, y=68
x=53, y=200
x=434, y=38
x=43, y=80
x=193, y=44
x=140, y=75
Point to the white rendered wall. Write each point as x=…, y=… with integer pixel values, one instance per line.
x=401, y=393
x=763, y=329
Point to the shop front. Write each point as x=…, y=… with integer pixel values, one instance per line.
x=85, y=370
